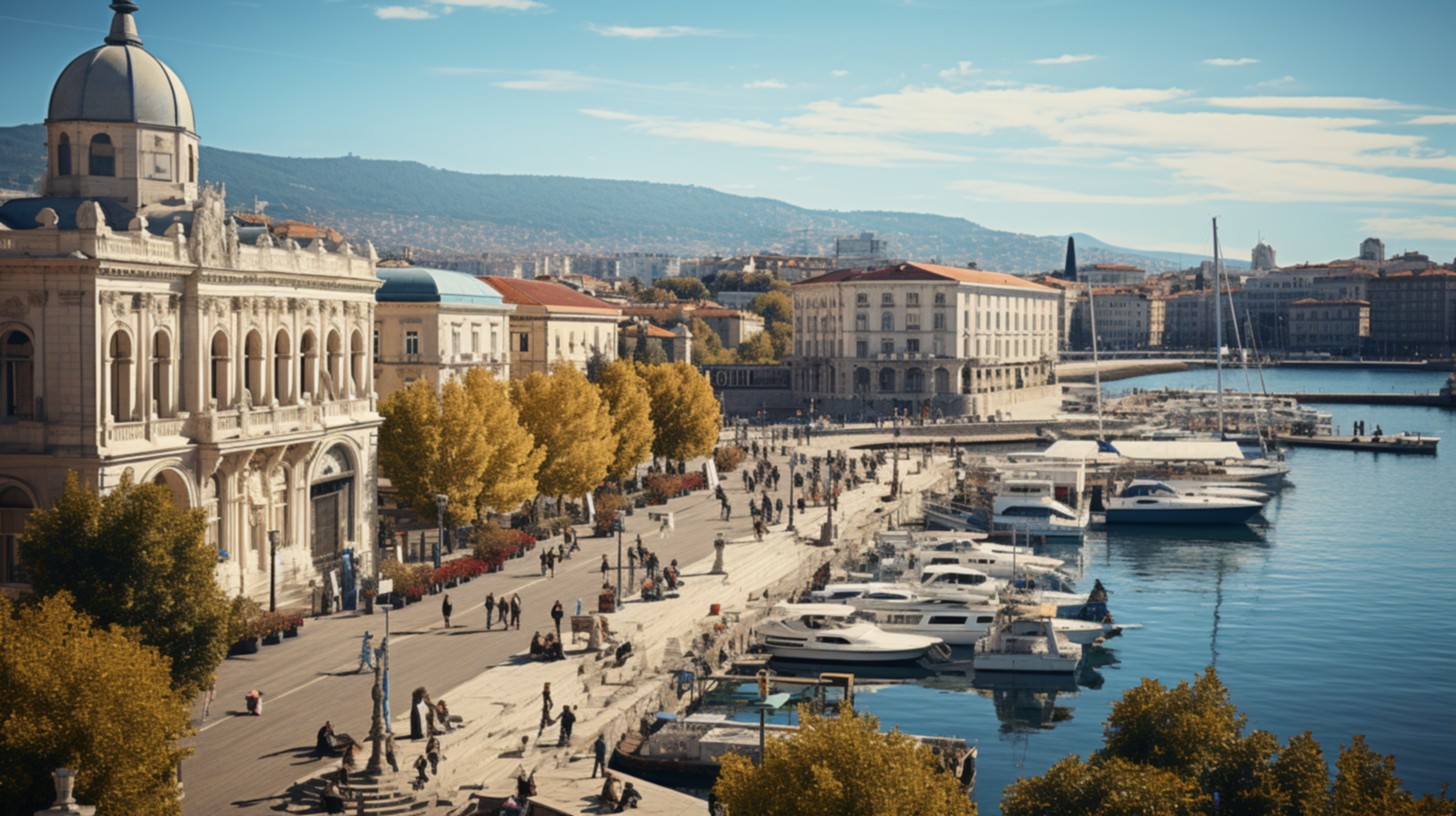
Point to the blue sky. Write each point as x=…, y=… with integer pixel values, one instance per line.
x=1313, y=124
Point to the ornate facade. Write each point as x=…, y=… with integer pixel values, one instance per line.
x=147, y=334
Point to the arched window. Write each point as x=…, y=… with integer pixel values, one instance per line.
x=861, y=381
x=914, y=381
x=336, y=354
x=332, y=501
x=162, y=402
x=192, y=164
x=103, y=156
x=887, y=381
x=119, y=352
x=942, y=381
x=308, y=366
x=253, y=367
x=215, y=513
x=17, y=375
x=221, y=371
x=63, y=155
x=15, y=506
x=282, y=359
x=356, y=363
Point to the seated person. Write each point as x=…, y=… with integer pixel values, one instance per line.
x=553, y=650
x=623, y=652
x=630, y=798
x=442, y=714
x=330, y=799
x=538, y=649
x=325, y=744
x=609, y=791
x=512, y=807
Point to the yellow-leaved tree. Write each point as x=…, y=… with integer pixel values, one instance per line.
x=513, y=456
x=464, y=453
x=686, y=416
x=570, y=420
x=90, y=699
x=409, y=443
x=836, y=766
x=626, y=396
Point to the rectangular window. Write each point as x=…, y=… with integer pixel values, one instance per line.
x=887, y=299
x=412, y=343
x=939, y=298
x=939, y=320
x=912, y=321
x=887, y=346
x=474, y=339
x=862, y=299
x=912, y=298
x=913, y=345
x=455, y=345
x=861, y=348
x=861, y=322
x=525, y=342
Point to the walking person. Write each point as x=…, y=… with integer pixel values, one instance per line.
x=421, y=777
x=546, y=718
x=445, y=609
x=567, y=720
x=389, y=751
x=489, y=611
x=366, y=654
x=606, y=567
x=551, y=562
x=544, y=553
x=503, y=608
x=516, y=610
x=599, y=755
x=557, y=613
x=432, y=752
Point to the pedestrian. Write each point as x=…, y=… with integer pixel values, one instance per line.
x=389, y=751
x=557, y=613
x=489, y=610
x=432, y=752
x=641, y=550
x=778, y=510
x=211, y=695
x=544, y=553
x=516, y=610
x=567, y=719
x=366, y=654
x=606, y=567
x=599, y=755
x=421, y=765
x=503, y=608
x=727, y=511
x=445, y=609
x=551, y=562
x=546, y=698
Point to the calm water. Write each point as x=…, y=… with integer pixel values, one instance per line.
x=1338, y=618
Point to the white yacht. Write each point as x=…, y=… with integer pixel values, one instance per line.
x=1029, y=507
x=1025, y=645
x=1145, y=501
x=998, y=560
x=941, y=582
x=962, y=624
x=1252, y=491
x=829, y=633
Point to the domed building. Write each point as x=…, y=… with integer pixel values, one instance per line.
x=147, y=333
x=434, y=324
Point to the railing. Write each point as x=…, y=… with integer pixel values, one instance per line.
x=126, y=432
x=162, y=428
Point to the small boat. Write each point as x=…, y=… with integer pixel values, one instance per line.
x=830, y=633
x=1025, y=645
x=1145, y=501
x=956, y=582
x=1030, y=508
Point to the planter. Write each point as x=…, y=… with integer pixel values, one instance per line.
x=293, y=633
x=246, y=646
x=273, y=639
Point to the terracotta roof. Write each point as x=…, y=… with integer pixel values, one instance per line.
x=653, y=330
x=923, y=272
x=553, y=296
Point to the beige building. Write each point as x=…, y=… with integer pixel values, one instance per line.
x=146, y=334
x=1126, y=320
x=436, y=324
x=1332, y=326
x=554, y=323
x=922, y=337
x=1414, y=313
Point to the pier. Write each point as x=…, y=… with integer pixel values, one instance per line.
x=1386, y=444
x=1441, y=400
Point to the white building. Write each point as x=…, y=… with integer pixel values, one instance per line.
x=147, y=334
x=436, y=325
x=1263, y=258
x=922, y=337
x=552, y=323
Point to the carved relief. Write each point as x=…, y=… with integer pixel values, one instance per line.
x=14, y=307
x=209, y=241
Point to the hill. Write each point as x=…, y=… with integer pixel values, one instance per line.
x=395, y=203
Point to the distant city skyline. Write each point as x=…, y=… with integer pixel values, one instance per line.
x=1310, y=124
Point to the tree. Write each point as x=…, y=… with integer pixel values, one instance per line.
x=568, y=418
x=90, y=699
x=409, y=444
x=773, y=307
x=686, y=416
x=840, y=765
x=685, y=288
x=757, y=350
x=625, y=393
x=707, y=345
x=782, y=336
x=656, y=354
x=513, y=457
x=459, y=469
x=135, y=559
x=1115, y=787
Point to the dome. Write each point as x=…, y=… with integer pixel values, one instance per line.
x=121, y=82
x=414, y=284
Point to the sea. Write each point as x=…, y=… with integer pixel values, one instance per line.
x=1337, y=615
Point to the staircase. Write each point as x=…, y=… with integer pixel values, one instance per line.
x=388, y=794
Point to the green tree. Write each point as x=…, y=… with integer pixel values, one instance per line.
x=567, y=417
x=513, y=457
x=90, y=699
x=707, y=345
x=625, y=393
x=834, y=766
x=685, y=288
x=773, y=307
x=134, y=559
x=757, y=350
x=782, y=336
x=686, y=415
x=656, y=354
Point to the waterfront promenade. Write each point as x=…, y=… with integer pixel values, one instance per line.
x=247, y=764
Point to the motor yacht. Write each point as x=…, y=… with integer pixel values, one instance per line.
x=998, y=560
x=962, y=624
x=1015, y=644
x=1145, y=501
x=1030, y=508
x=830, y=633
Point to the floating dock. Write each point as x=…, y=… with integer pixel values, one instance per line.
x=1386, y=444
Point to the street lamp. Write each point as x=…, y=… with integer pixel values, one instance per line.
x=273, y=538
x=617, y=596
x=793, y=460
x=441, y=502
x=895, y=478
x=379, y=721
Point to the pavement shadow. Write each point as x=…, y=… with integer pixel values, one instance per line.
x=297, y=752
x=249, y=803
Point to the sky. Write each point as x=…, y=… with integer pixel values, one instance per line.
x=1308, y=123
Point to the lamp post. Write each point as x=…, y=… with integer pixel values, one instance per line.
x=273, y=538
x=379, y=720
x=793, y=460
x=617, y=596
x=895, y=478
x=441, y=502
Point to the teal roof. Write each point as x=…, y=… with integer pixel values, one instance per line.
x=416, y=284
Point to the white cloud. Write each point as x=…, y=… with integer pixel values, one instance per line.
x=1432, y=227
x=1441, y=119
x=1031, y=193
x=1065, y=59
x=1305, y=103
x=1279, y=82
x=961, y=69
x=403, y=13
x=839, y=72
x=771, y=84
x=653, y=32
x=613, y=116
x=515, y=5
x=1229, y=62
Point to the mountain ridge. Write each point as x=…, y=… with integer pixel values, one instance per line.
x=398, y=202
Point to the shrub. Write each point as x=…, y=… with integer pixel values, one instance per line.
x=728, y=457
x=663, y=486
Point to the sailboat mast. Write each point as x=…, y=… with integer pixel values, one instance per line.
x=1096, y=366
x=1218, y=323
